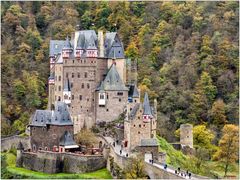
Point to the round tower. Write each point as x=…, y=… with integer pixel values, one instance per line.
x=20, y=150
x=186, y=135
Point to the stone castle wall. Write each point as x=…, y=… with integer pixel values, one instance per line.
x=12, y=142
x=47, y=137
x=115, y=105
x=53, y=162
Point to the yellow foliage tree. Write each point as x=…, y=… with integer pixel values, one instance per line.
x=228, y=146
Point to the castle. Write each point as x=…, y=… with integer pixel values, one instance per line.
x=88, y=73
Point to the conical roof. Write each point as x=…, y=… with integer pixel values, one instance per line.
x=135, y=92
x=67, y=44
x=146, y=105
x=67, y=139
x=113, y=81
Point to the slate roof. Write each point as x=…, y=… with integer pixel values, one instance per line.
x=133, y=112
x=149, y=142
x=67, y=86
x=52, y=75
x=67, y=44
x=146, y=105
x=67, y=139
x=87, y=40
x=60, y=116
x=113, y=81
x=56, y=47
x=133, y=91
x=112, y=48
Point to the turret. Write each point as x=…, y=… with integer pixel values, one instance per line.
x=101, y=95
x=67, y=49
x=147, y=112
x=67, y=92
x=20, y=150
x=91, y=48
x=80, y=46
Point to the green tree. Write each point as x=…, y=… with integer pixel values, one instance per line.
x=217, y=113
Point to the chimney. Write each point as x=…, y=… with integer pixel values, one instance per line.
x=100, y=42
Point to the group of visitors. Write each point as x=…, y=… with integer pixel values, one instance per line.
x=182, y=173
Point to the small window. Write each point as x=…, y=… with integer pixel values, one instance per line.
x=78, y=75
x=85, y=74
x=88, y=86
x=87, y=99
x=46, y=148
x=144, y=125
x=72, y=75
x=34, y=147
x=66, y=75
x=59, y=98
x=140, y=125
x=119, y=52
x=71, y=85
x=59, y=88
x=80, y=97
x=106, y=109
x=72, y=97
x=101, y=96
x=101, y=106
x=134, y=125
x=135, y=100
x=107, y=96
x=65, y=96
x=138, y=132
x=138, y=117
x=119, y=93
x=82, y=85
x=59, y=78
x=130, y=109
x=119, y=100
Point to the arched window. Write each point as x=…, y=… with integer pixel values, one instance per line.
x=88, y=86
x=59, y=78
x=72, y=75
x=78, y=75
x=83, y=85
x=34, y=148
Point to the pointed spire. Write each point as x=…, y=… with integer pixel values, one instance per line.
x=146, y=105
x=135, y=92
x=67, y=86
x=67, y=44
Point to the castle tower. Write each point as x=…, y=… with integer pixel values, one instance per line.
x=51, y=84
x=67, y=93
x=20, y=150
x=147, y=113
x=186, y=135
x=67, y=49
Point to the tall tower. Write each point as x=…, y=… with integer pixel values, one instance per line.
x=186, y=135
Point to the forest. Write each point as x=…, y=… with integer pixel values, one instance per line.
x=187, y=55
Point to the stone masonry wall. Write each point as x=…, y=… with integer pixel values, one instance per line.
x=115, y=105
x=47, y=137
x=52, y=162
x=12, y=141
